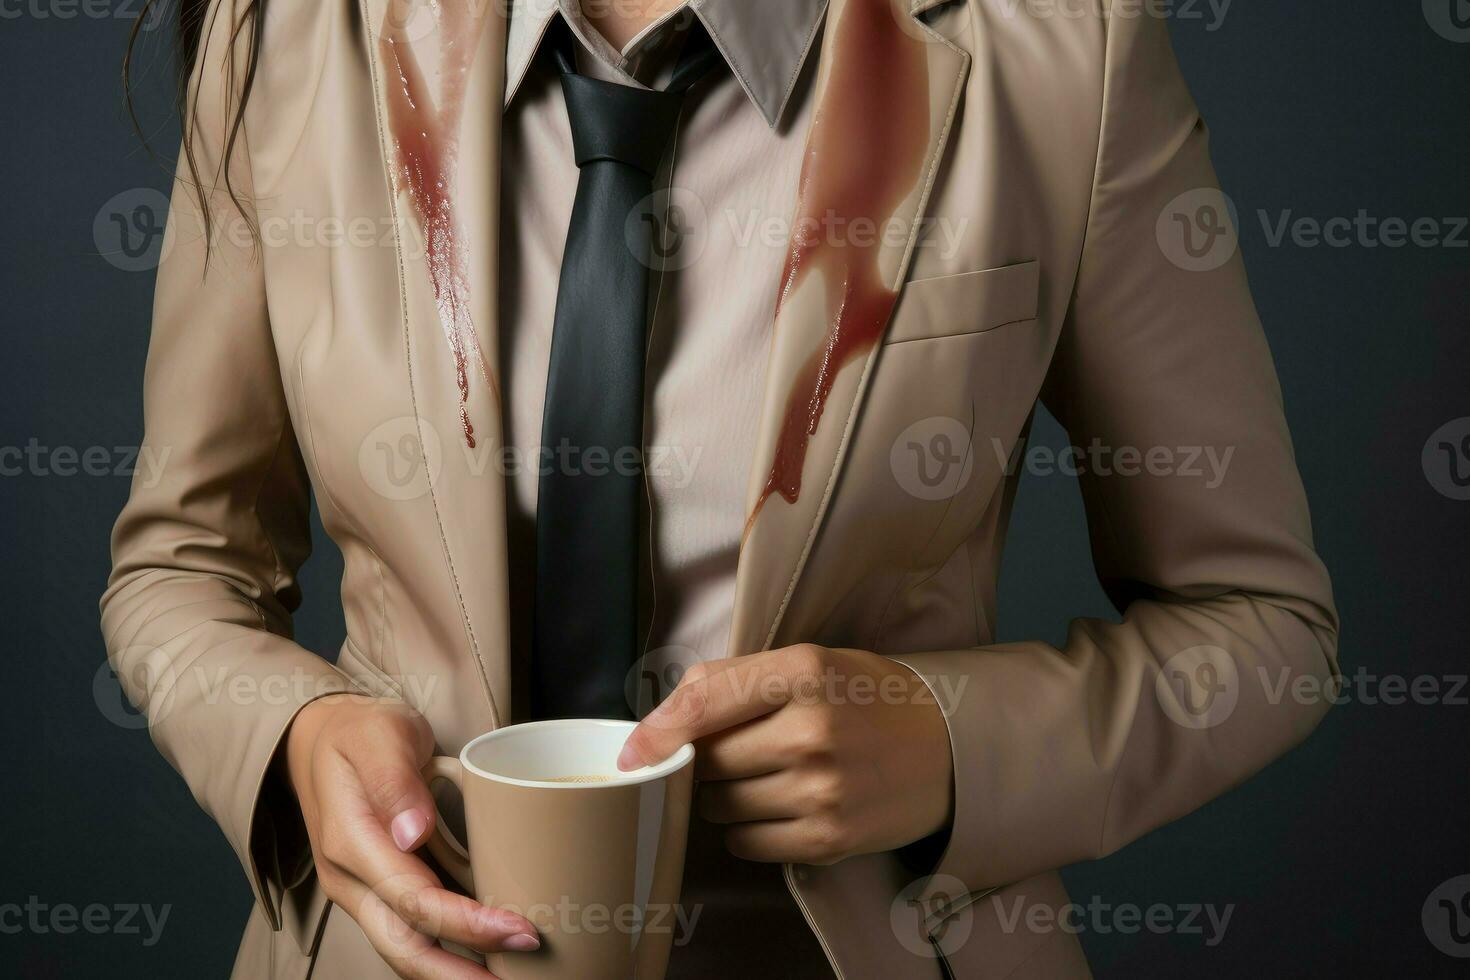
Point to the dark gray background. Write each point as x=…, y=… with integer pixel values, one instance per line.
x=1327, y=858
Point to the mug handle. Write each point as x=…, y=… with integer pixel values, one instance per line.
x=450, y=853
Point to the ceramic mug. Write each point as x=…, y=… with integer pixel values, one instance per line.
x=592, y=856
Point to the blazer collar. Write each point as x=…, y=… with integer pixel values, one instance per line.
x=765, y=42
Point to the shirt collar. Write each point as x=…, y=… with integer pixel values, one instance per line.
x=765, y=42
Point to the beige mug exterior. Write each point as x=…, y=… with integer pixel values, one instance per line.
x=597, y=867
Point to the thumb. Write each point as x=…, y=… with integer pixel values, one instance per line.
x=395, y=787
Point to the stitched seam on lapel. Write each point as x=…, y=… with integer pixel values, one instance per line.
x=464, y=615
x=852, y=413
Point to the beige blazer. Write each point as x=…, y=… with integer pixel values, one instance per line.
x=362, y=329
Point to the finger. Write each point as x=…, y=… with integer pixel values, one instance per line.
x=774, y=796
x=361, y=848
x=806, y=840
x=436, y=912
x=387, y=757
x=752, y=749
x=411, y=954
x=709, y=699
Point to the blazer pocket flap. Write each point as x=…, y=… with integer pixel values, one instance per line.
x=970, y=302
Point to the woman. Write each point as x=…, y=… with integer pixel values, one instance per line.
x=366, y=298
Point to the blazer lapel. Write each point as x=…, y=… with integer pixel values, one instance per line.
x=887, y=89
x=436, y=66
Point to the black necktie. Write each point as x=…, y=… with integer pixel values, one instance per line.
x=585, y=631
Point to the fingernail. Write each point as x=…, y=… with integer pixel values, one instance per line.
x=628, y=759
x=407, y=827
x=522, y=943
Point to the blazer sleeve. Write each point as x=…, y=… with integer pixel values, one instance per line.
x=197, y=612
x=1064, y=754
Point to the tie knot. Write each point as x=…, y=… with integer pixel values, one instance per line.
x=619, y=122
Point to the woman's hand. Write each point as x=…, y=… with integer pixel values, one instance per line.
x=809, y=755
x=354, y=763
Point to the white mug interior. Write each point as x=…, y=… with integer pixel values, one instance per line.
x=546, y=754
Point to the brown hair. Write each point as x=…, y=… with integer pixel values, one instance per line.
x=190, y=27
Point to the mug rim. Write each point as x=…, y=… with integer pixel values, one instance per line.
x=681, y=757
